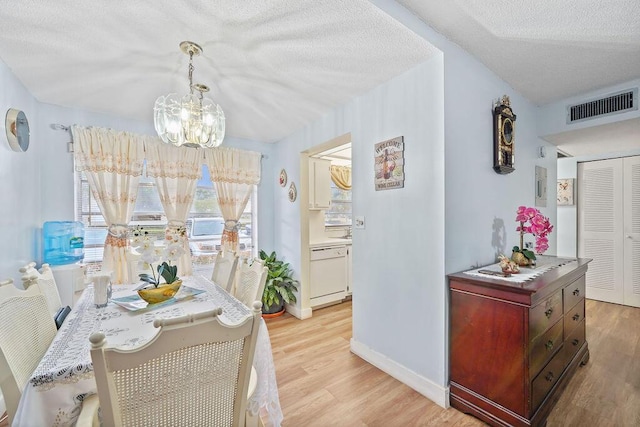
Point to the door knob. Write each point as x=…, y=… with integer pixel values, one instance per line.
x=628, y=236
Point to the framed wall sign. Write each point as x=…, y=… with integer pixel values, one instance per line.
x=389, y=164
x=565, y=192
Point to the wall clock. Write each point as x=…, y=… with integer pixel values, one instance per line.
x=504, y=129
x=17, y=130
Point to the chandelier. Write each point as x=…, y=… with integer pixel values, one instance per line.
x=191, y=120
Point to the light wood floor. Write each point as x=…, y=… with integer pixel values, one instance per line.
x=321, y=383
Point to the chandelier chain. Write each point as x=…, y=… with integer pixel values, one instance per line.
x=191, y=72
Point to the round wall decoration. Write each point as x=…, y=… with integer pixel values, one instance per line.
x=283, y=178
x=293, y=192
x=17, y=130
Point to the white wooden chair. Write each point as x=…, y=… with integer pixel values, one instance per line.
x=196, y=371
x=224, y=269
x=251, y=281
x=45, y=281
x=26, y=331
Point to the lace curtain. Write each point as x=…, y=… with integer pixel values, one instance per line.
x=112, y=162
x=177, y=171
x=341, y=177
x=234, y=173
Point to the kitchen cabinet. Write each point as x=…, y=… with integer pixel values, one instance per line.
x=514, y=346
x=319, y=184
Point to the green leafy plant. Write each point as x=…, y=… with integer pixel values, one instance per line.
x=168, y=272
x=280, y=285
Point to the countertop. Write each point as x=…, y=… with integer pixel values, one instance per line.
x=330, y=241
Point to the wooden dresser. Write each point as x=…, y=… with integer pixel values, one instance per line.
x=514, y=346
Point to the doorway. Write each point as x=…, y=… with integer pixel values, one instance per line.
x=326, y=217
x=609, y=228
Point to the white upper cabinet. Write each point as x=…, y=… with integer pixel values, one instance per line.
x=319, y=184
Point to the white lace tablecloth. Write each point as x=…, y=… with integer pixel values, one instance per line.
x=544, y=264
x=64, y=378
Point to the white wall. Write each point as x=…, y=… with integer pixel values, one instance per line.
x=20, y=210
x=553, y=117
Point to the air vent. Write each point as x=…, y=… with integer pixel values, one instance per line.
x=612, y=104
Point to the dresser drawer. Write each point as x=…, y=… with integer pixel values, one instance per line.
x=573, y=342
x=573, y=293
x=546, y=379
x=544, y=347
x=545, y=314
x=573, y=317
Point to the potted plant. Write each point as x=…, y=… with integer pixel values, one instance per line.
x=280, y=285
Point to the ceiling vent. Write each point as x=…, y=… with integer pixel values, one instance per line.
x=620, y=102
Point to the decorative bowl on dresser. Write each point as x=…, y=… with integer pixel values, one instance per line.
x=514, y=346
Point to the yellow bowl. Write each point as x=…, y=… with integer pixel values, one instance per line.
x=161, y=293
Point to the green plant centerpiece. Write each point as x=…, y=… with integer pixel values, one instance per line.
x=157, y=291
x=280, y=286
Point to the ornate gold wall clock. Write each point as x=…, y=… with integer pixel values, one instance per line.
x=504, y=129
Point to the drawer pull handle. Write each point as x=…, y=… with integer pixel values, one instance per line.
x=576, y=317
x=548, y=312
x=576, y=292
x=549, y=377
x=549, y=345
x=575, y=342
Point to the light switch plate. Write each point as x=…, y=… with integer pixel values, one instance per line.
x=359, y=222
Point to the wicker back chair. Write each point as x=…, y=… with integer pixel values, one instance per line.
x=224, y=269
x=251, y=281
x=45, y=281
x=194, y=372
x=26, y=331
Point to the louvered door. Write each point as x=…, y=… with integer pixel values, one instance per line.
x=609, y=228
x=631, y=213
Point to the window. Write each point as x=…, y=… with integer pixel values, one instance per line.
x=339, y=214
x=204, y=224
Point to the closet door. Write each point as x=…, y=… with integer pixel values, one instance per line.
x=600, y=228
x=632, y=231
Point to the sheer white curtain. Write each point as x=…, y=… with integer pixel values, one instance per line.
x=234, y=173
x=177, y=171
x=112, y=162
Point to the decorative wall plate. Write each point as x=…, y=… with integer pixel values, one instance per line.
x=293, y=192
x=283, y=178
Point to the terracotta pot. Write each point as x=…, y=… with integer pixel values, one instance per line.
x=161, y=293
x=272, y=315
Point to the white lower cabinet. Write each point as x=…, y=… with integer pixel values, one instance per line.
x=328, y=274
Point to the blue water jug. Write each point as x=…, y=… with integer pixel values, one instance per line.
x=63, y=242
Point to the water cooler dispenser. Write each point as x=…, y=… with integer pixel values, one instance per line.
x=63, y=250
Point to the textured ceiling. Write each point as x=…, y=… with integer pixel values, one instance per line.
x=276, y=65
x=272, y=65
x=547, y=49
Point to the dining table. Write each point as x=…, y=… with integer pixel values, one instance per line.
x=64, y=377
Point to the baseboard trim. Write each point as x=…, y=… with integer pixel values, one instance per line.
x=299, y=313
x=432, y=391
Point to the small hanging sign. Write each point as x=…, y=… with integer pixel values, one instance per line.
x=389, y=164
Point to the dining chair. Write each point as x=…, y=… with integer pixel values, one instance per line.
x=251, y=281
x=195, y=371
x=45, y=281
x=224, y=269
x=26, y=331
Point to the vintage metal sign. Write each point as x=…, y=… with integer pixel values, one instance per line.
x=389, y=164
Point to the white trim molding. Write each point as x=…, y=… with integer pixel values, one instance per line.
x=295, y=311
x=432, y=391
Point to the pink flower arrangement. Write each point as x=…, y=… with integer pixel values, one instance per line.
x=532, y=221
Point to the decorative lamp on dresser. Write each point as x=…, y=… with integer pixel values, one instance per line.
x=516, y=341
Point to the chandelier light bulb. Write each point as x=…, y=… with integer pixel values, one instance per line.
x=191, y=120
